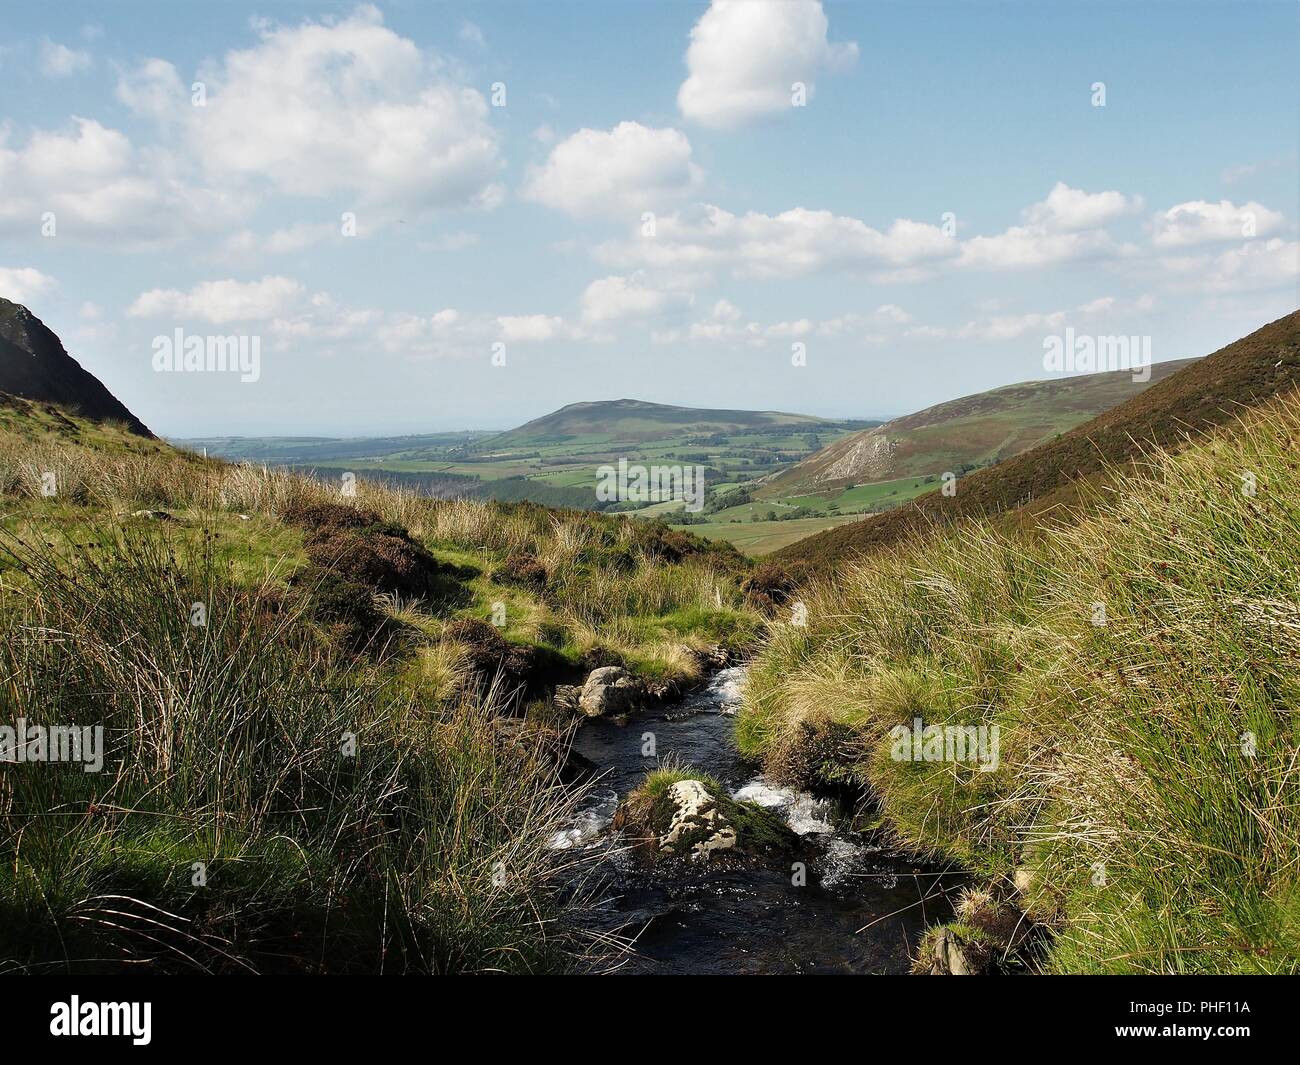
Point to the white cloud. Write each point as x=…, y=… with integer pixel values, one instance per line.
x=611, y=298
x=341, y=107
x=891, y=312
x=1261, y=264
x=744, y=56
x=998, y=327
x=1060, y=228
x=60, y=61
x=793, y=243
x=223, y=301
x=22, y=284
x=1066, y=209
x=154, y=90
x=534, y=327
x=1199, y=222
x=630, y=168
x=99, y=187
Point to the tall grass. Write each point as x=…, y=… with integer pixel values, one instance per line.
x=232, y=827
x=1143, y=667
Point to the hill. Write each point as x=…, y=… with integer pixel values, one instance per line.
x=35, y=366
x=1203, y=395
x=960, y=434
x=636, y=420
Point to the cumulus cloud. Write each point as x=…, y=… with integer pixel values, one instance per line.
x=628, y=169
x=222, y=301
x=22, y=284
x=609, y=299
x=533, y=327
x=1199, y=222
x=790, y=244
x=1257, y=265
x=337, y=107
x=1066, y=209
x=1062, y=227
x=99, y=187
x=60, y=61
x=745, y=56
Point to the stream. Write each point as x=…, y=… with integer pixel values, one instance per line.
x=861, y=910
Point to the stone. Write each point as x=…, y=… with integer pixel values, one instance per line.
x=610, y=690
x=697, y=824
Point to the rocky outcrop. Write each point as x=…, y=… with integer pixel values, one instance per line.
x=35, y=366
x=609, y=691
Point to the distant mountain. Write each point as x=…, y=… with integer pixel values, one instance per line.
x=1193, y=401
x=636, y=420
x=962, y=433
x=35, y=366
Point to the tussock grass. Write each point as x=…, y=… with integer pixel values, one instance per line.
x=1154, y=840
x=426, y=850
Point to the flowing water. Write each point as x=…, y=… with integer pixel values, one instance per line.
x=860, y=910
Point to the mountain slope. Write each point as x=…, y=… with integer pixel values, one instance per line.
x=1192, y=401
x=974, y=430
x=632, y=419
x=35, y=366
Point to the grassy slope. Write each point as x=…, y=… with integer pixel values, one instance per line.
x=1147, y=787
x=971, y=431
x=1198, y=398
x=224, y=739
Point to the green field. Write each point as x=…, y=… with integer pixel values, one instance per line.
x=555, y=459
x=761, y=537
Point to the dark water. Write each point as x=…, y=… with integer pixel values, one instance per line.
x=859, y=912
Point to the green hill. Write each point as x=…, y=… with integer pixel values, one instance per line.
x=635, y=420
x=976, y=430
x=1202, y=395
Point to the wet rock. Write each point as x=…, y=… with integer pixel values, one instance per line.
x=610, y=690
x=955, y=955
x=689, y=819
x=697, y=824
x=566, y=697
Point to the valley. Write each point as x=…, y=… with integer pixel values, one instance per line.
x=772, y=478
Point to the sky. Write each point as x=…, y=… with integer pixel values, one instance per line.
x=437, y=216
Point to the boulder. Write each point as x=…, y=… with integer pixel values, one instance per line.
x=697, y=825
x=608, y=691
x=566, y=697
x=687, y=819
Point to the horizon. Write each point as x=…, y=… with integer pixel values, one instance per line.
x=555, y=220
x=882, y=418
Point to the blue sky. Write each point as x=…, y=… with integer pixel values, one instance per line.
x=946, y=198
